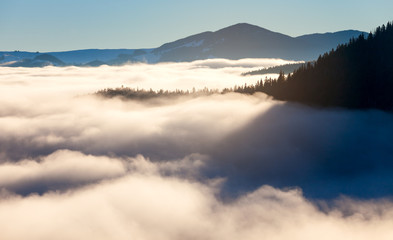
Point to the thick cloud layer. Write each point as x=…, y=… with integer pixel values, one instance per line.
x=58, y=170
x=76, y=166
x=145, y=204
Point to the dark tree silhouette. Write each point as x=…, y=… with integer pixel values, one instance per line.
x=142, y=94
x=287, y=68
x=354, y=75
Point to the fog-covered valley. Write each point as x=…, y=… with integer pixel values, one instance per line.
x=224, y=166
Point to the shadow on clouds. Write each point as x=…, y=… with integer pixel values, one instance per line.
x=326, y=152
x=213, y=167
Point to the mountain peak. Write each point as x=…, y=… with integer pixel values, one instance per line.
x=49, y=58
x=243, y=27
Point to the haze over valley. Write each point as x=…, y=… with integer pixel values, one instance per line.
x=280, y=129
x=220, y=155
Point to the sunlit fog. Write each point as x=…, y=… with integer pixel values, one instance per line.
x=74, y=165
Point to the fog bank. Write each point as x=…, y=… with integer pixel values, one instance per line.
x=223, y=166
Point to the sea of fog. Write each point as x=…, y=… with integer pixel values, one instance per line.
x=224, y=166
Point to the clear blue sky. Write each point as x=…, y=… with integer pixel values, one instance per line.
x=53, y=25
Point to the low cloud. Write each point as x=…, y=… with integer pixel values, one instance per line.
x=76, y=166
x=241, y=63
x=57, y=171
x=65, y=169
x=145, y=204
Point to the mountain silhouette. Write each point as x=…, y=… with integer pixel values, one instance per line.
x=41, y=60
x=49, y=58
x=249, y=41
x=234, y=42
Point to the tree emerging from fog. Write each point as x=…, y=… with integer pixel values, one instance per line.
x=142, y=94
x=354, y=75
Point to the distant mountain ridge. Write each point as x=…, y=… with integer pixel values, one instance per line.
x=40, y=60
x=234, y=42
x=250, y=41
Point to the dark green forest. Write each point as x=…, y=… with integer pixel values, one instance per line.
x=142, y=94
x=286, y=68
x=358, y=75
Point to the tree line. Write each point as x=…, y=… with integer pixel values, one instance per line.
x=358, y=74
x=142, y=94
x=286, y=68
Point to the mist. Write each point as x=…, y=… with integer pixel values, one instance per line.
x=146, y=204
x=74, y=165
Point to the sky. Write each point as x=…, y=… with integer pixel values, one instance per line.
x=47, y=25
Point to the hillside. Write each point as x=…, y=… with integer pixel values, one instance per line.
x=354, y=75
x=286, y=68
x=40, y=60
